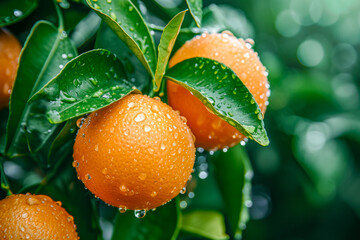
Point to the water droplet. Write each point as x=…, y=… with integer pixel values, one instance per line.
x=24, y=215
x=191, y=194
x=113, y=16
x=131, y=8
x=65, y=97
x=140, y=117
x=147, y=128
x=123, y=188
x=18, y=13
x=108, y=1
x=96, y=147
x=142, y=176
x=260, y=116
x=27, y=236
x=140, y=213
x=58, y=203
x=162, y=146
x=183, y=204
x=70, y=219
x=80, y=122
x=183, y=190
x=93, y=81
x=252, y=101
x=155, y=108
x=153, y=194
x=87, y=176
x=75, y=164
x=32, y=201
x=122, y=209
x=76, y=82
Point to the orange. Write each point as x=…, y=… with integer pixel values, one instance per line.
x=211, y=131
x=9, y=54
x=136, y=153
x=35, y=217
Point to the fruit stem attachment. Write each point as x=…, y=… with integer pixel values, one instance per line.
x=4, y=183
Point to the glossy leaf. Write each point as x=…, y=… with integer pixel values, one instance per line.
x=137, y=74
x=219, y=18
x=13, y=11
x=46, y=50
x=166, y=45
x=126, y=21
x=162, y=224
x=204, y=224
x=89, y=82
x=233, y=174
x=195, y=7
x=85, y=29
x=218, y=87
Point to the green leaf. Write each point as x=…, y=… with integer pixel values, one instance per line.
x=218, y=87
x=89, y=82
x=164, y=224
x=218, y=18
x=204, y=224
x=126, y=21
x=195, y=7
x=166, y=45
x=13, y=11
x=233, y=174
x=46, y=50
x=85, y=29
x=137, y=74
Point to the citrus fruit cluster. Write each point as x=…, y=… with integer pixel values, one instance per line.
x=9, y=54
x=211, y=131
x=35, y=217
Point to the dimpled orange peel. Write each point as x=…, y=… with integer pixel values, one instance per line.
x=28, y=216
x=136, y=153
x=211, y=131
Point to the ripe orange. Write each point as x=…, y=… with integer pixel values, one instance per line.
x=9, y=54
x=136, y=153
x=35, y=217
x=211, y=131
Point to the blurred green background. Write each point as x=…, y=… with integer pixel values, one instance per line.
x=307, y=183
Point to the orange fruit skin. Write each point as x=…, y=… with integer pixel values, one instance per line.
x=35, y=217
x=9, y=55
x=136, y=153
x=211, y=131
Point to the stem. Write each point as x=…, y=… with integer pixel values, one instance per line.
x=60, y=17
x=4, y=182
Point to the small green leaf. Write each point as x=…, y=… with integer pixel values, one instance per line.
x=166, y=45
x=164, y=224
x=89, y=82
x=233, y=173
x=195, y=7
x=45, y=52
x=13, y=11
x=137, y=74
x=126, y=21
x=204, y=224
x=218, y=87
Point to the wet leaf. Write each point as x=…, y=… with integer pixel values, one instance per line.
x=137, y=74
x=126, y=21
x=46, y=50
x=166, y=45
x=89, y=82
x=164, y=223
x=233, y=173
x=195, y=7
x=218, y=87
x=13, y=11
x=204, y=224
